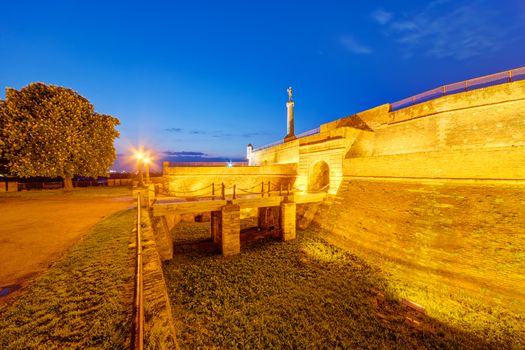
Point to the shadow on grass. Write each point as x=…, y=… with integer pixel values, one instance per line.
x=301, y=294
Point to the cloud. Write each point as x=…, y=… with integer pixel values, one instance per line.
x=443, y=29
x=193, y=156
x=253, y=134
x=216, y=133
x=354, y=46
x=185, y=153
x=173, y=130
x=381, y=16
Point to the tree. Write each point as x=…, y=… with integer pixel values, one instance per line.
x=3, y=161
x=49, y=130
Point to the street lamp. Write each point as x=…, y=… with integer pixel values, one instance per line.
x=147, y=161
x=139, y=157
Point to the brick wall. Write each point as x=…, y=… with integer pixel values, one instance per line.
x=445, y=232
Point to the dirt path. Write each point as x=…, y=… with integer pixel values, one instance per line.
x=35, y=232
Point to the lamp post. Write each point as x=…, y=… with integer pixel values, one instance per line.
x=139, y=157
x=147, y=160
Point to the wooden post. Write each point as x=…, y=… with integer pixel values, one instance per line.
x=466, y=85
x=222, y=191
x=510, y=76
x=234, y=186
x=288, y=190
x=280, y=190
x=269, y=188
x=262, y=189
x=213, y=191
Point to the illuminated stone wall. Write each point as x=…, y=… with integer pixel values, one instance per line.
x=435, y=233
x=437, y=189
x=196, y=181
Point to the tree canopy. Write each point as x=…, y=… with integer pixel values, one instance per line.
x=48, y=130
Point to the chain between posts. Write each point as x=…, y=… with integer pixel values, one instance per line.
x=265, y=190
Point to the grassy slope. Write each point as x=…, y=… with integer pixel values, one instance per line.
x=83, y=301
x=301, y=294
x=78, y=193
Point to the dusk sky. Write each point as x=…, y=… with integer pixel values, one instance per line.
x=211, y=76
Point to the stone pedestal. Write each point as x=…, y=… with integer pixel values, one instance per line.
x=216, y=227
x=288, y=220
x=230, y=229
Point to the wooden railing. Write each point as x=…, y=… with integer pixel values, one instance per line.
x=138, y=304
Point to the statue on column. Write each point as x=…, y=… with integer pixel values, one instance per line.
x=290, y=122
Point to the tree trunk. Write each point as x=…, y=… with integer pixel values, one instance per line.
x=68, y=183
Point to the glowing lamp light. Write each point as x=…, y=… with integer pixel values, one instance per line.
x=139, y=155
x=230, y=164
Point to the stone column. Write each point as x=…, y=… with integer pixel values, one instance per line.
x=216, y=227
x=290, y=125
x=288, y=220
x=230, y=229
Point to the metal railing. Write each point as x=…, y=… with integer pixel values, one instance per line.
x=301, y=135
x=138, y=304
x=462, y=86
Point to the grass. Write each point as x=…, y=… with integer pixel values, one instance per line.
x=83, y=301
x=479, y=310
x=77, y=193
x=302, y=294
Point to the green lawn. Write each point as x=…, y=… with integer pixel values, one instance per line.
x=78, y=192
x=83, y=301
x=302, y=294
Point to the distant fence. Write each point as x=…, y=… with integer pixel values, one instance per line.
x=301, y=135
x=50, y=185
x=467, y=85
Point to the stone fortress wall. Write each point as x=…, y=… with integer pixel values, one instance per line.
x=437, y=188
x=196, y=181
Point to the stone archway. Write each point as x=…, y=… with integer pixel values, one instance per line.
x=319, y=177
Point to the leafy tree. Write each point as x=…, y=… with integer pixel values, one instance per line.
x=48, y=130
x=3, y=161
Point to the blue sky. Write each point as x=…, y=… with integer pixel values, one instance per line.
x=209, y=77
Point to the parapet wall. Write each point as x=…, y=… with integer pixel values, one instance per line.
x=455, y=138
x=196, y=181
